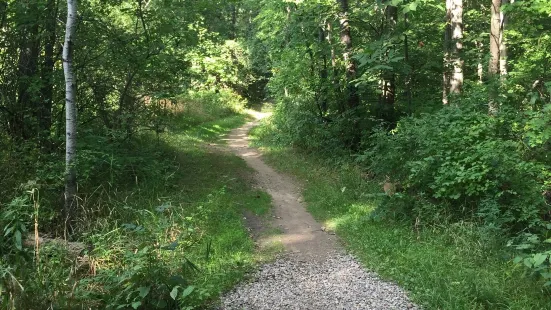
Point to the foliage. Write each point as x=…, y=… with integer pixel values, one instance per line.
x=473, y=164
x=535, y=254
x=460, y=265
x=173, y=238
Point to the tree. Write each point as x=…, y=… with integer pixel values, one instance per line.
x=70, y=114
x=346, y=40
x=457, y=46
x=493, y=68
x=388, y=83
x=453, y=47
x=502, y=42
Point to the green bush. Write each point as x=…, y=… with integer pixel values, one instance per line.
x=196, y=107
x=296, y=122
x=462, y=161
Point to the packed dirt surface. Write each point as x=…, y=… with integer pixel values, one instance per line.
x=314, y=273
x=300, y=234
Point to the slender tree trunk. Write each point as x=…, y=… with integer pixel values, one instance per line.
x=447, y=53
x=70, y=116
x=346, y=40
x=480, y=66
x=502, y=41
x=406, y=58
x=330, y=41
x=45, y=111
x=456, y=84
x=29, y=52
x=3, y=13
x=323, y=74
x=388, y=84
x=493, y=68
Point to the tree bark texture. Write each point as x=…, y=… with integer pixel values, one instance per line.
x=502, y=40
x=447, y=53
x=45, y=112
x=388, y=83
x=456, y=84
x=493, y=67
x=346, y=40
x=29, y=52
x=70, y=116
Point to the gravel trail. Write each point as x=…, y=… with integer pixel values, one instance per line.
x=315, y=272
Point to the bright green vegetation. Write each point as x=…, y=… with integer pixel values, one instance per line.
x=443, y=266
x=172, y=236
x=446, y=103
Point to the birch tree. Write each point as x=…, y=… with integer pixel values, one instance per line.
x=70, y=115
x=453, y=48
x=493, y=68
x=447, y=52
x=456, y=84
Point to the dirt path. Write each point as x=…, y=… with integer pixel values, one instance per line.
x=300, y=234
x=316, y=273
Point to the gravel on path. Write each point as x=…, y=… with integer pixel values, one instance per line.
x=339, y=282
x=314, y=274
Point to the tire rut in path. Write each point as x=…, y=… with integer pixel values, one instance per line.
x=314, y=273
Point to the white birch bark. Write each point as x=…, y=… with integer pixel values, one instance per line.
x=447, y=54
x=493, y=67
x=70, y=114
x=457, y=46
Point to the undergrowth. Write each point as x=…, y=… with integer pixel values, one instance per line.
x=444, y=265
x=160, y=223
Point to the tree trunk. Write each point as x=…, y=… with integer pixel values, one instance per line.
x=346, y=40
x=322, y=96
x=388, y=84
x=502, y=41
x=27, y=69
x=480, y=66
x=456, y=84
x=406, y=58
x=447, y=52
x=70, y=117
x=45, y=111
x=493, y=68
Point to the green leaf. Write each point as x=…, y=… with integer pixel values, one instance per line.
x=144, y=290
x=539, y=259
x=188, y=291
x=174, y=292
x=136, y=304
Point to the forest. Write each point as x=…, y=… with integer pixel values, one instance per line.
x=420, y=128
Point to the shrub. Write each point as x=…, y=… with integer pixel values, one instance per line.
x=469, y=163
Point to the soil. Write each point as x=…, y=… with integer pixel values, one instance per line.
x=301, y=236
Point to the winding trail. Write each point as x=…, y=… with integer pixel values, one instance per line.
x=315, y=272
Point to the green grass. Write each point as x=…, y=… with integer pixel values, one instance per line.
x=457, y=266
x=208, y=194
x=163, y=214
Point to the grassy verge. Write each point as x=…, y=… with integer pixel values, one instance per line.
x=169, y=237
x=455, y=266
x=195, y=222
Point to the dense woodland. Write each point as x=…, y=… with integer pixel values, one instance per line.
x=445, y=103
